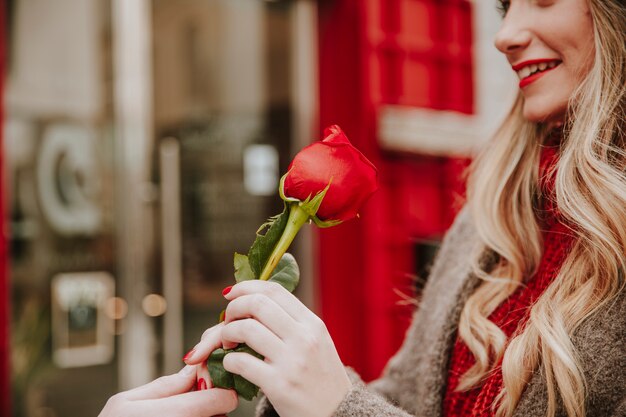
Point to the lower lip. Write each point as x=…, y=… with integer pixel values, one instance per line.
x=532, y=78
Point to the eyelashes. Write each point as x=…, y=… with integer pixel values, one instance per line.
x=503, y=6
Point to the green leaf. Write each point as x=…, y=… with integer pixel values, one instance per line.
x=245, y=388
x=268, y=223
x=243, y=272
x=223, y=379
x=220, y=377
x=264, y=243
x=287, y=272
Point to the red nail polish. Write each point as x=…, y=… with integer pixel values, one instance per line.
x=201, y=384
x=226, y=290
x=189, y=355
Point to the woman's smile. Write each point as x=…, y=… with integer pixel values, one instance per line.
x=530, y=71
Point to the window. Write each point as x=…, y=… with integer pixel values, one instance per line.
x=443, y=86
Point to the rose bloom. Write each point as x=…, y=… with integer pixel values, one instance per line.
x=352, y=178
x=555, y=40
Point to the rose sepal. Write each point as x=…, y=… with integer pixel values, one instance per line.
x=310, y=205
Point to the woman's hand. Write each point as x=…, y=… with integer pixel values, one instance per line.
x=170, y=396
x=302, y=374
x=211, y=340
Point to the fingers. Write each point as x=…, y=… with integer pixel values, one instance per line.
x=204, y=403
x=204, y=379
x=208, y=331
x=287, y=301
x=249, y=331
x=253, y=369
x=255, y=335
x=265, y=310
x=211, y=340
x=165, y=386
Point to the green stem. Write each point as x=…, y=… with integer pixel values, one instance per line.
x=297, y=218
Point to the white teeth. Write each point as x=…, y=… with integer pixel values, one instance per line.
x=531, y=69
x=524, y=72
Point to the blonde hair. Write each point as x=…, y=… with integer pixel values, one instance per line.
x=590, y=189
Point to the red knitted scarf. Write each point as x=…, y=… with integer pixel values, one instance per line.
x=512, y=314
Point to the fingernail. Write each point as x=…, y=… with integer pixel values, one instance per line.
x=229, y=345
x=189, y=355
x=201, y=384
x=226, y=290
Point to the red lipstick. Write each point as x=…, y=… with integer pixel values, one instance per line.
x=533, y=77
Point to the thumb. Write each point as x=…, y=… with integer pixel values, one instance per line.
x=165, y=386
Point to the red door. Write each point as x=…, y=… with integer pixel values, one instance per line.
x=372, y=53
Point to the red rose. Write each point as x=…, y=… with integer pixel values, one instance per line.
x=334, y=161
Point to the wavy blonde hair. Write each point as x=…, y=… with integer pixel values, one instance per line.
x=590, y=189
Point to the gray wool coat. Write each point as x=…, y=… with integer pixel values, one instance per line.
x=414, y=381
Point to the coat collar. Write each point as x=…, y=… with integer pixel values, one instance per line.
x=450, y=284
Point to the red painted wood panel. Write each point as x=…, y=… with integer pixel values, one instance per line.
x=4, y=280
x=340, y=251
x=376, y=52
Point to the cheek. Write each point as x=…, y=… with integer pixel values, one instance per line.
x=579, y=54
x=581, y=45
x=586, y=60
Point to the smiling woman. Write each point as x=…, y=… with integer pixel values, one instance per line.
x=569, y=118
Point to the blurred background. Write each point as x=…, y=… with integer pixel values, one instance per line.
x=142, y=144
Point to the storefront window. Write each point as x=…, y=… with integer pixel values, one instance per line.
x=60, y=156
x=103, y=230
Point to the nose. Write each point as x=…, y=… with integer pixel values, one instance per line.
x=515, y=32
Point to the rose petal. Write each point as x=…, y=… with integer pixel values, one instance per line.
x=334, y=160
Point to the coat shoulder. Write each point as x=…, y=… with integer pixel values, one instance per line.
x=599, y=343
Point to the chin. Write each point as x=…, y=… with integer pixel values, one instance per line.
x=539, y=114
